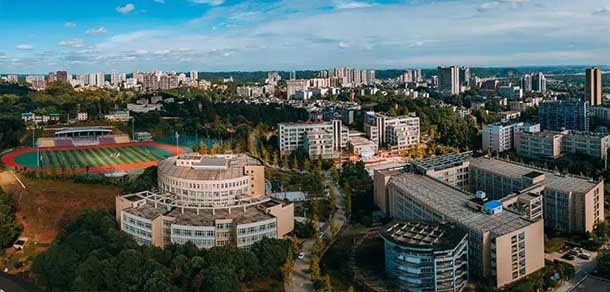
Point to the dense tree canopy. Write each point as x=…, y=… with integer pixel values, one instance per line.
x=92, y=255
x=9, y=228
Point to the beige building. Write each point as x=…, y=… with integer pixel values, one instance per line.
x=504, y=246
x=593, y=86
x=208, y=200
x=538, y=144
x=551, y=144
x=451, y=168
x=571, y=204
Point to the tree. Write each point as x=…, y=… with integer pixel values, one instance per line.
x=275, y=162
x=603, y=263
x=9, y=228
x=220, y=279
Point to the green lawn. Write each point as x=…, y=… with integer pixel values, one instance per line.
x=81, y=158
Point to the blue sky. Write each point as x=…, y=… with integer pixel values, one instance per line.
x=221, y=35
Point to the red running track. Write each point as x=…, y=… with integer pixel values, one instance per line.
x=9, y=159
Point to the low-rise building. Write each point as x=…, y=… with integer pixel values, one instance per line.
x=538, y=144
x=426, y=256
x=362, y=146
x=551, y=144
x=118, y=116
x=207, y=200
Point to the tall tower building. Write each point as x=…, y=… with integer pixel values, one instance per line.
x=526, y=82
x=194, y=75
x=593, y=86
x=539, y=82
x=449, y=80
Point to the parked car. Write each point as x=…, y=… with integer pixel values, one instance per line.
x=573, y=252
x=301, y=255
x=322, y=234
x=585, y=256
x=20, y=243
x=568, y=256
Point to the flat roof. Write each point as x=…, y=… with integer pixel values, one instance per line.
x=452, y=204
x=82, y=129
x=443, y=161
x=234, y=167
x=419, y=234
x=564, y=183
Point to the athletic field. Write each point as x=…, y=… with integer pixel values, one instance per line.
x=91, y=158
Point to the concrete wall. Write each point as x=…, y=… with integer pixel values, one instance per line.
x=534, y=253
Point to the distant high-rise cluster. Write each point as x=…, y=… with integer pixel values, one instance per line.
x=534, y=82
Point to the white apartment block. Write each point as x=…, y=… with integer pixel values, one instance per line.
x=295, y=135
x=397, y=133
x=499, y=137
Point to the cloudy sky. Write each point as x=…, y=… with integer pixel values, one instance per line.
x=220, y=35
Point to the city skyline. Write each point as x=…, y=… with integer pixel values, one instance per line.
x=218, y=35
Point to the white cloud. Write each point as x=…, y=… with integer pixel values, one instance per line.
x=75, y=43
x=24, y=47
x=351, y=4
x=97, y=31
x=344, y=45
x=69, y=24
x=129, y=7
x=602, y=11
x=209, y=2
x=160, y=1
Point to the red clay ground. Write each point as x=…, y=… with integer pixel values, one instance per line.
x=9, y=159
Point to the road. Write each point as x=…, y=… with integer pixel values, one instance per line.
x=301, y=276
x=582, y=267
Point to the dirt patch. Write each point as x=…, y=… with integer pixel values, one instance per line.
x=45, y=206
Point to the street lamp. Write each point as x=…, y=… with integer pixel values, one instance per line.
x=133, y=132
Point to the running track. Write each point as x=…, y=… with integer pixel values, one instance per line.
x=9, y=159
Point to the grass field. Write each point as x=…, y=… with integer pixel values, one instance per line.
x=82, y=158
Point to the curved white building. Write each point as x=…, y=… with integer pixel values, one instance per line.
x=208, y=200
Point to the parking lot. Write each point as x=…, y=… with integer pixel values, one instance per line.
x=582, y=267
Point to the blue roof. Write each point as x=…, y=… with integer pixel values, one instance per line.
x=492, y=204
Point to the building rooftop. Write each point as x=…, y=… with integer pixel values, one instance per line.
x=442, y=161
x=454, y=205
x=206, y=217
x=208, y=168
x=563, y=183
x=419, y=235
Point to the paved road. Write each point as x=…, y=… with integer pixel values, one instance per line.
x=582, y=267
x=301, y=276
x=12, y=284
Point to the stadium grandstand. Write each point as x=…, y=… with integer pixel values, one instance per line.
x=83, y=136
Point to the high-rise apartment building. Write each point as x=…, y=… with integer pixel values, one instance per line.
x=593, y=86
x=62, y=76
x=526, y=82
x=449, y=80
x=194, y=75
x=561, y=114
x=539, y=82
x=292, y=86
